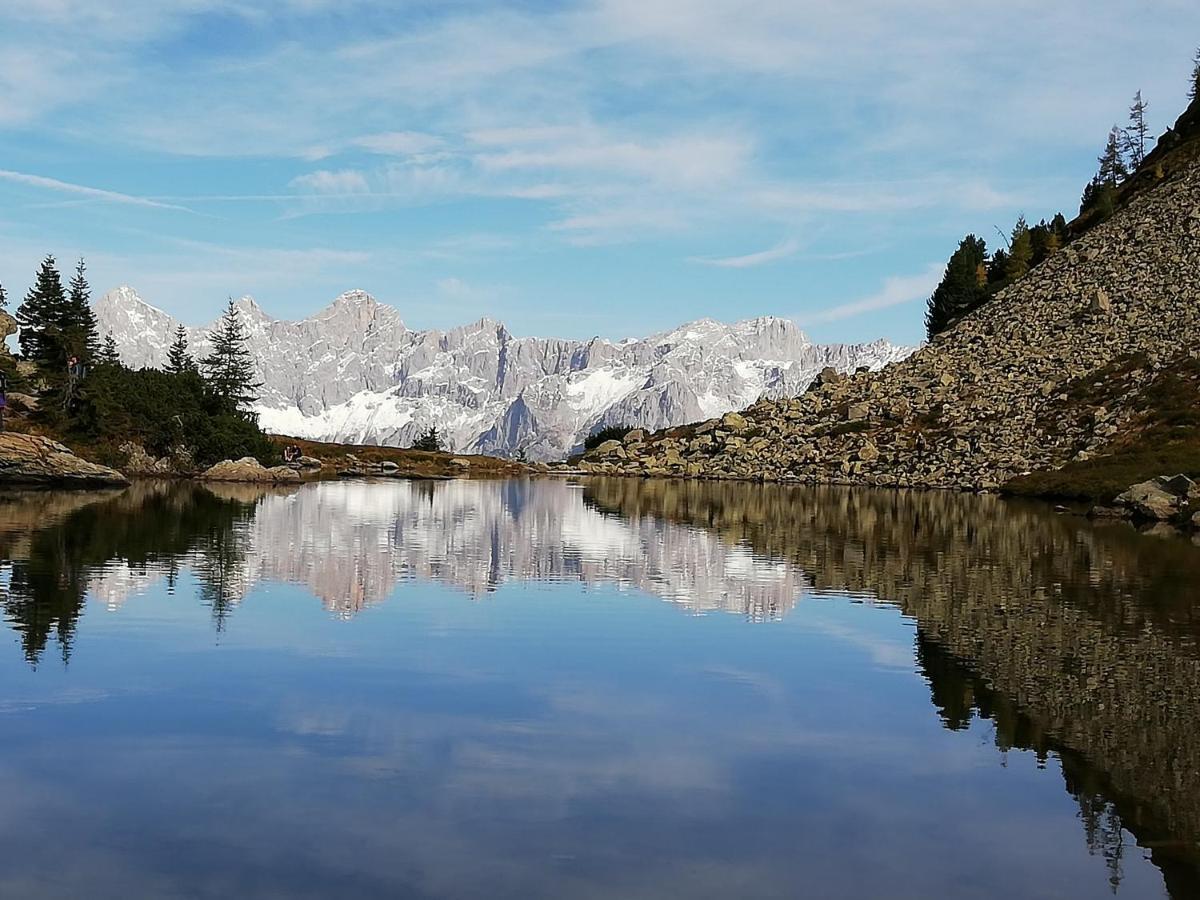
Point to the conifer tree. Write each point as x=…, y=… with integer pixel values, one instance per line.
x=1112, y=162
x=430, y=440
x=1194, y=87
x=229, y=368
x=79, y=323
x=997, y=267
x=1138, y=133
x=3, y=297
x=1059, y=224
x=962, y=288
x=1020, y=251
x=1096, y=194
x=109, y=355
x=179, y=360
x=40, y=317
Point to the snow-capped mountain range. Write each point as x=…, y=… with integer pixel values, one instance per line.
x=354, y=373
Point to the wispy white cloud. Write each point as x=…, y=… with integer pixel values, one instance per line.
x=782, y=250
x=896, y=290
x=398, y=143
x=90, y=193
x=696, y=159
x=324, y=181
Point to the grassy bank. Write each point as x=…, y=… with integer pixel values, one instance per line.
x=1162, y=439
x=411, y=463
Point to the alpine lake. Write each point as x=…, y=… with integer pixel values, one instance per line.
x=592, y=689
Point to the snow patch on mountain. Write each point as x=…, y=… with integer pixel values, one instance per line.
x=354, y=373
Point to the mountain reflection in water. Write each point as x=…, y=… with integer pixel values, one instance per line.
x=1078, y=642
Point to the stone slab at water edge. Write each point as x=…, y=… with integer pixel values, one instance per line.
x=249, y=469
x=33, y=460
x=1059, y=366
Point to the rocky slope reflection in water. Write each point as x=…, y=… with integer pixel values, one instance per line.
x=1076, y=638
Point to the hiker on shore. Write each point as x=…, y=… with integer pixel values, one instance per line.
x=76, y=372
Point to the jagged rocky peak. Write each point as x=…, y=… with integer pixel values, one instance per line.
x=358, y=309
x=249, y=308
x=353, y=372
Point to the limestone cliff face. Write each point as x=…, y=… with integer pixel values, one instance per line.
x=1016, y=386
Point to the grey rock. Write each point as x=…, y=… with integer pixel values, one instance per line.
x=1152, y=499
x=734, y=422
x=31, y=459
x=249, y=469
x=8, y=327
x=856, y=412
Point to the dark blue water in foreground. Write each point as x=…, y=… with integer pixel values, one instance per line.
x=610, y=689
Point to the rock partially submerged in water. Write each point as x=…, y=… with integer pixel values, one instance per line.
x=249, y=469
x=1161, y=499
x=32, y=459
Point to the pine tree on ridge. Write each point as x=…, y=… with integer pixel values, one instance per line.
x=229, y=367
x=179, y=360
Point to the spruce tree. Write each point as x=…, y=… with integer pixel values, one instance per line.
x=1138, y=133
x=1194, y=87
x=1059, y=224
x=79, y=331
x=179, y=360
x=40, y=317
x=109, y=355
x=1097, y=194
x=1020, y=251
x=997, y=267
x=229, y=368
x=962, y=288
x=430, y=441
x=1112, y=162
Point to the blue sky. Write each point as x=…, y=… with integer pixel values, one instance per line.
x=609, y=167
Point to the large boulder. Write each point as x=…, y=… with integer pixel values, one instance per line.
x=32, y=459
x=8, y=327
x=249, y=469
x=735, y=422
x=139, y=462
x=1159, y=498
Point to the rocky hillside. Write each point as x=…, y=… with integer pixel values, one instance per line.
x=354, y=373
x=1069, y=364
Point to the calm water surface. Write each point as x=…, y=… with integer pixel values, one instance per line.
x=604, y=689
